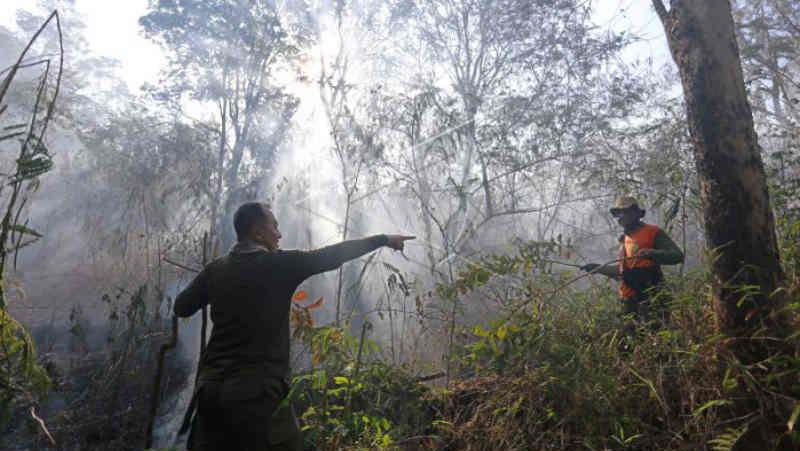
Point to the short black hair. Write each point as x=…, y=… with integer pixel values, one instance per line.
x=248, y=215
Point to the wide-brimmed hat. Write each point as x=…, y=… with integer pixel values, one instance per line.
x=624, y=203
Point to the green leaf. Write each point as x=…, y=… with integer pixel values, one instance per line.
x=502, y=331
x=727, y=440
x=710, y=404
x=793, y=418
x=478, y=331
x=19, y=228
x=32, y=167
x=728, y=382
x=320, y=380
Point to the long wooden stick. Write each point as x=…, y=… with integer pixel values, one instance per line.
x=157, y=384
x=154, y=401
x=180, y=265
x=204, y=310
x=556, y=262
x=571, y=281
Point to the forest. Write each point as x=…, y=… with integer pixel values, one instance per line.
x=514, y=139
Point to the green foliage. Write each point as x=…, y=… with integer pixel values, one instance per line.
x=788, y=225
x=33, y=165
x=728, y=439
x=494, y=347
x=351, y=399
x=24, y=230
x=560, y=368
x=21, y=377
x=574, y=372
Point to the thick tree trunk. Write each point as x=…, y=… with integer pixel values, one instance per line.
x=738, y=218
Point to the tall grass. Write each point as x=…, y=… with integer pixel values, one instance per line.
x=559, y=368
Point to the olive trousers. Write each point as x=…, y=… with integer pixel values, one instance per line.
x=238, y=415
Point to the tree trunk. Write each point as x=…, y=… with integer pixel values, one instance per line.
x=738, y=217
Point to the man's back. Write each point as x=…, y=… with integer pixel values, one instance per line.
x=246, y=363
x=249, y=294
x=249, y=291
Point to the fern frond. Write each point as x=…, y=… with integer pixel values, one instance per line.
x=727, y=440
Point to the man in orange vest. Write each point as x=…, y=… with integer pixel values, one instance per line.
x=643, y=249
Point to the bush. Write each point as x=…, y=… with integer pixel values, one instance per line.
x=567, y=372
x=352, y=400
x=560, y=369
x=22, y=379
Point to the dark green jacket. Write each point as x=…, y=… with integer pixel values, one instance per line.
x=249, y=291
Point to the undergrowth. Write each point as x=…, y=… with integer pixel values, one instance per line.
x=556, y=368
x=560, y=369
x=566, y=376
x=99, y=395
x=352, y=400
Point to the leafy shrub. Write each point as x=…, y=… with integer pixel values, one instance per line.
x=22, y=379
x=566, y=371
x=353, y=400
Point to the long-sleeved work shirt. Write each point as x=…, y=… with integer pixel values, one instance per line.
x=249, y=291
x=664, y=252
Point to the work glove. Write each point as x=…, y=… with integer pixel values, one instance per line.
x=589, y=267
x=646, y=253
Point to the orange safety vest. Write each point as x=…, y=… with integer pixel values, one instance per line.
x=642, y=238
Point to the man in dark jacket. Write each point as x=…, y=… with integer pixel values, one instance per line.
x=245, y=367
x=643, y=249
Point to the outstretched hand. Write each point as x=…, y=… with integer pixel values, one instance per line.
x=396, y=241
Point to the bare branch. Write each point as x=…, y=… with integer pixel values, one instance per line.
x=7, y=82
x=661, y=10
x=181, y=266
x=43, y=426
x=522, y=211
